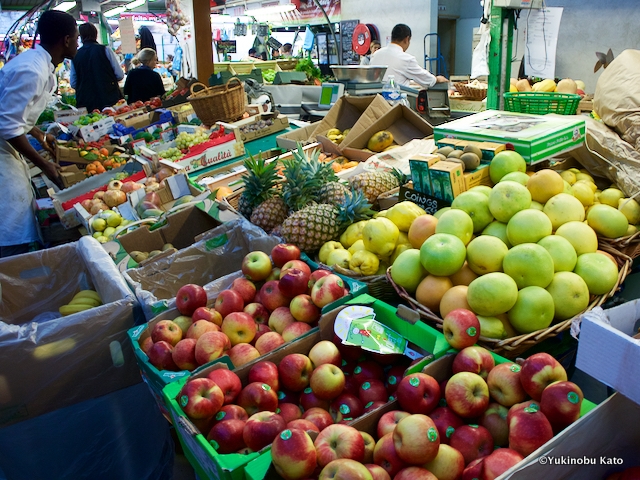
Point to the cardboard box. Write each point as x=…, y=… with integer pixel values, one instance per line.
x=607, y=350
x=72, y=154
x=69, y=116
x=279, y=123
x=535, y=137
x=127, y=119
x=420, y=165
x=447, y=180
x=403, y=123
x=489, y=149
x=478, y=176
x=93, y=132
x=71, y=175
x=290, y=140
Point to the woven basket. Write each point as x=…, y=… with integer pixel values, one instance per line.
x=471, y=92
x=224, y=103
x=515, y=346
x=629, y=245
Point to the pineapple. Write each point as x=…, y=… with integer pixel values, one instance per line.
x=333, y=193
x=316, y=224
x=373, y=184
x=270, y=213
x=259, y=183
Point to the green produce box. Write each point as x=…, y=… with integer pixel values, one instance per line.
x=535, y=137
x=209, y=464
x=158, y=379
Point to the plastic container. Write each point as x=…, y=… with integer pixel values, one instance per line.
x=390, y=91
x=542, y=103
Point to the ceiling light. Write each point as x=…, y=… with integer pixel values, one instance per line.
x=65, y=6
x=135, y=4
x=114, y=12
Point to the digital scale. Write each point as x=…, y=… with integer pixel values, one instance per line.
x=359, y=89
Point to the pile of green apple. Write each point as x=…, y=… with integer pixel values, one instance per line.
x=520, y=255
x=105, y=224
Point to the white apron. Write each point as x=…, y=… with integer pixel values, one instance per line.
x=17, y=221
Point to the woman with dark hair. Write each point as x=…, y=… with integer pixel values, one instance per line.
x=143, y=83
x=146, y=39
x=95, y=72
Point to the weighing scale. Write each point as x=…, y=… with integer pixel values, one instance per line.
x=356, y=89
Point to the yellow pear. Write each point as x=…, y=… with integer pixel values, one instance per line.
x=327, y=248
x=568, y=176
x=359, y=245
x=380, y=236
x=611, y=197
x=582, y=192
x=352, y=234
x=630, y=208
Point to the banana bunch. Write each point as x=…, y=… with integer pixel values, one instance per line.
x=83, y=300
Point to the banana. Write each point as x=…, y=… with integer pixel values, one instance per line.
x=88, y=294
x=85, y=301
x=70, y=309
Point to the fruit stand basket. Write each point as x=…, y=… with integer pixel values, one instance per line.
x=378, y=285
x=514, y=346
x=470, y=91
x=540, y=103
x=224, y=103
x=627, y=245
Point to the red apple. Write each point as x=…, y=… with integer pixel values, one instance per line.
x=258, y=311
x=166, y=330
x=271, y=296
x=461, y=328
x=325, y=352
x=240, y=327
x=280, y=319
x=190, y=297
x=246, y=288
x=529, y=429
x=377, y=472
x=265, y=372
x=367, y=370
x=446, y=422
x=211, y=346
x=268, y=342
x=394, y=376
x=494, y=419
x=161, y=356
x=560, y=403
x=208, y=314
x=308, y=400
x=372, y=391
x=416, y=439
x=344, y=469
x=372, y=406
x=303, y=309
x=319, y=417
x=349, y=353
x=504, y=384
x=145, y=344
x=369, y=447
x=200, y=398
x=327, y=381
x=299, y=264
x=418, y=393
x=538, y=372
x=498, y=462
x=386, y=456
x=346, y=407
x=302, y=424
x=283, y=253
x=473, y=471
x=293, y=454
x=295, y=330
x=467, y=394
x=414, y=473
x=184, y=354
x=200, y=327
x=295, y=371
x=185, y=322
x=261, y=429
x=326, y=290
x=472, y=441
x=229, y=301
x=350, y=385
x=339, y=441
x=293, y=282
x=448, y=464
x=243, y=353
x=231, y=412
x=228, y=382
x=289, y=412
x=475, y=360
x=389, y=420
x=228, y=436
x=258, y=397
x=256, y=266
x=317, y=275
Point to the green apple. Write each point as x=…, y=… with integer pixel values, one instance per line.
x=456, y=222
x=98, y=224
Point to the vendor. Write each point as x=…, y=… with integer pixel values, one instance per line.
x=143, y=83
x=287, y=50
x=373, y=48
x=26, y=85
x=402, y=65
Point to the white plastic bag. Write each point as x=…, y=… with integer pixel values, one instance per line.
x=480, y=57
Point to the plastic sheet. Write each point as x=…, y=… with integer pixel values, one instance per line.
x=218, y=253
x=50, y=363
x=121, y=436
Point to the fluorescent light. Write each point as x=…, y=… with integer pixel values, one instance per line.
x=135, y=4
x=114, y=12
x=65, y=6
x=271, y=10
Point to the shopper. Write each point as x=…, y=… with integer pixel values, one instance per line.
x=373, y=48
x=26, y=85
x=287, y=50
x=95, y=72
x=143, y=83
x=146, y=39
x=403, y=66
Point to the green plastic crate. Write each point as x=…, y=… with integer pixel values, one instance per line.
x=541, y=103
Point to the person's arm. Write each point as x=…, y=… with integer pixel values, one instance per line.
x=50, y=169
x=72, y=76
x=418, y=74
x=115, y=64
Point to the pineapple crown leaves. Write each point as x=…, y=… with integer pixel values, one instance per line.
x=354, y=208
x=402, y=178
x=299, y=188
x=260, y=179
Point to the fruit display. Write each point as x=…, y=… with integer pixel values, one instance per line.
x=139, y=256
x=336, y=135
x=277, y=300
x=565, y=85
x=81, y=301
x=257, y=126
x=173, y=154
x=89, y=119
x=185, y=140
x=380, y=141
x=105, y=223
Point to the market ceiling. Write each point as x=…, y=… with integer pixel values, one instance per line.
x=157, y=6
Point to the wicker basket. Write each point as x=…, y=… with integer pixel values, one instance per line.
x=471, y=92
x=225, y=103
x=629, y=245
x=515, y=346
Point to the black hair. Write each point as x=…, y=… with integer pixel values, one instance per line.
x=88, y=33
x=287, y=47
x=146, y=39
x=54, y=25
x=400, y=32
x=263, y=55
x=252, y=51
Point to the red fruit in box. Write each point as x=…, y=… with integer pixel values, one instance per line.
x=228, y=382
x=228, y=436
x=367, y=370
x=189, y=298
x=283, y=253
x=418, y=393
x=229, y=301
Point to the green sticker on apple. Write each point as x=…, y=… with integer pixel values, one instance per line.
x=307, y=390
x=214, y=444
x=266, y=387
x=532, y=408
x=515, y=368
x=432, y=434
x=280, y=395
x=344, y=409
x=366, y=386
x=278, y=410
x=357, y=370
x=449, y=431
x=344, y=362
x=184, y=400
x=220, y=415
x=392, y=380
x=573, y=397
x=473, y=425
x=285, y=435
x=471, y=331
x=442, y=402
x=414, y=382
x=368, y=405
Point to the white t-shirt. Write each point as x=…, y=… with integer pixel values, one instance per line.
x=403, y=66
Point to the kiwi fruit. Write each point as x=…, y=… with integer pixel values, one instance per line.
x=471, y=160
x=455, y=154
x=445, y=151
x=457, y=160
x=473, y=149
x=441, y=156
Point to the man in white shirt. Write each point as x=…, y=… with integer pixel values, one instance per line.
x=403, y=66
x=26, y=85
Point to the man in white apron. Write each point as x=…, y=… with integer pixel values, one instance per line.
x=26, y=85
